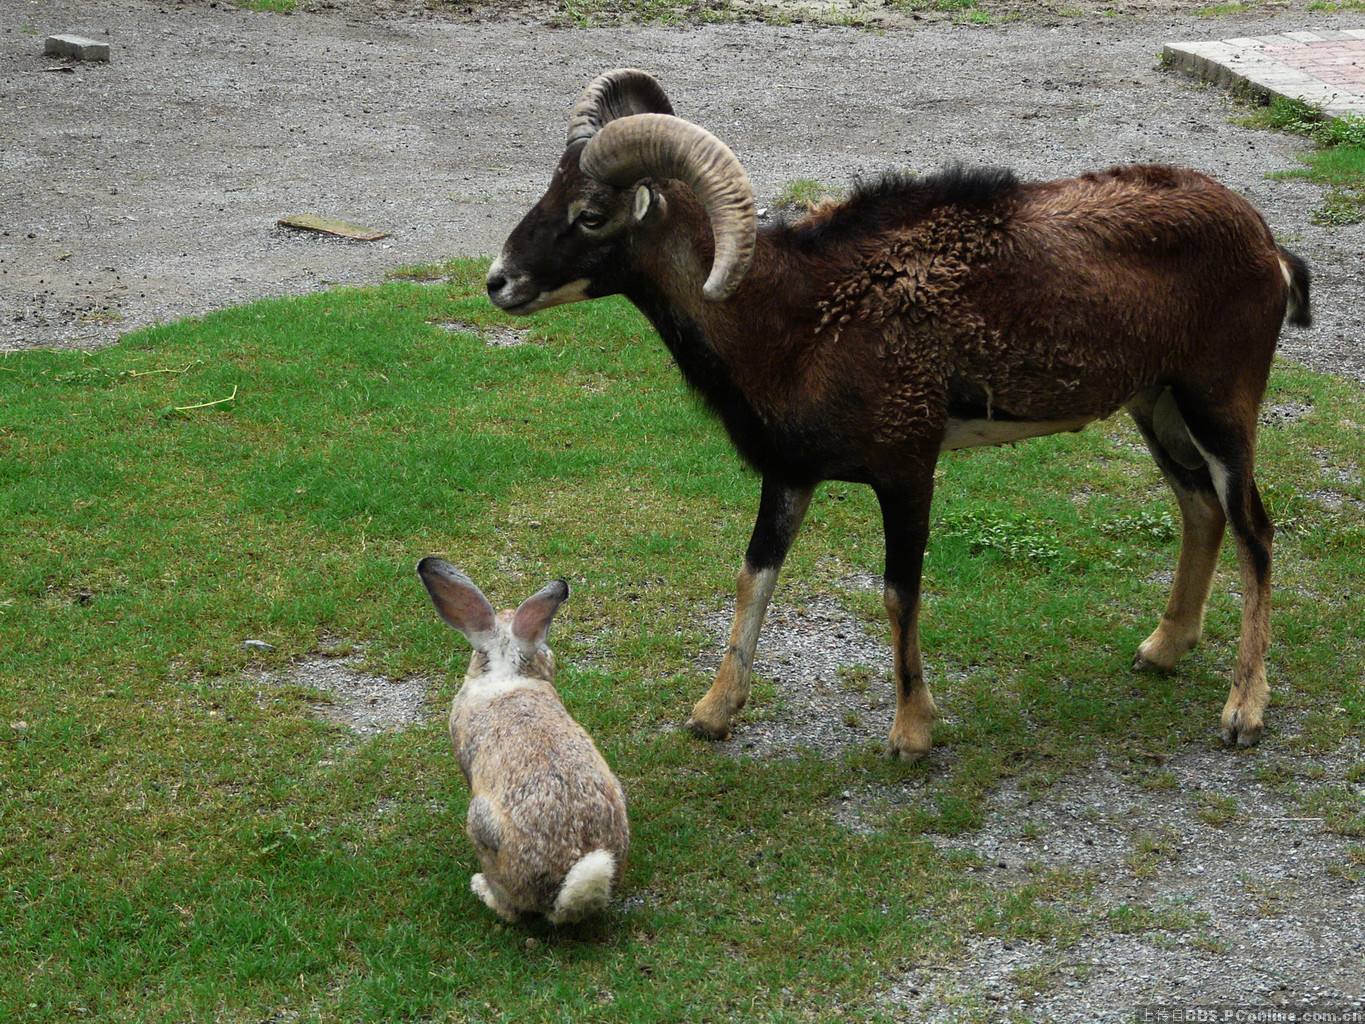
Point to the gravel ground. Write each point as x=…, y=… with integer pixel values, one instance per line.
x=829, y=673
x=148, y=188
x=1270, y=913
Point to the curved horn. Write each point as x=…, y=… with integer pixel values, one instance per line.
x=660, y=145
x=614, y=94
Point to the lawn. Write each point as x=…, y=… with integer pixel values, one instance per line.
x=184, y=841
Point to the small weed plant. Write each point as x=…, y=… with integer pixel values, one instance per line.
x=805, y=193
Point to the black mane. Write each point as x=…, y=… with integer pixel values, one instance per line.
x=895, y=198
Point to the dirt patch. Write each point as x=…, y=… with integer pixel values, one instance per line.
x=1209, y=884
x=871, y=582
x=364, y=703
x=493, y=337
x=123, y=207
x=1103, y=982
x=1334, y=501
x=1283, y=414
x=1332, y=468
x=830, y=674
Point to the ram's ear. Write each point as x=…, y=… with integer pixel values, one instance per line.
x=459, y=601
x=532, y=620
x=646, y=201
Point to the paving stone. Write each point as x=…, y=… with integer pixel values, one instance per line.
x=76, y=47
x=1277, y=41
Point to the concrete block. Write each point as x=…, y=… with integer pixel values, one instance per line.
x=1305, y=37
x=76, y=47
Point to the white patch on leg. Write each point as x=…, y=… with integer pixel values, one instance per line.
x=479, y=886
x=1218, y=472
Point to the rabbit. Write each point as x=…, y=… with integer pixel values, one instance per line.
x=546, y=815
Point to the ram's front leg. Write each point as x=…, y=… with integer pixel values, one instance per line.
x=780, y=512
x=905, y=518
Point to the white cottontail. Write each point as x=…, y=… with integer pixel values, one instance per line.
x=546, y=814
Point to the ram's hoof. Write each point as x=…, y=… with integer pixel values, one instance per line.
x=896, y=753
x=1160, y=651
x=909, y=745
x=705, y=730
x=1142, y=664
x=1239, y=730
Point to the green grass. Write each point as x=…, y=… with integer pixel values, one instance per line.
x=1338, y=163
x=1337, y=6
x=181, y=842
x=269, y=6
x=1127, y=918
x=1217, y=809
x=971, y=11
x=1221, y=10
x=804, y=193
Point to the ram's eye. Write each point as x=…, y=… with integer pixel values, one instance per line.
x=591, y=219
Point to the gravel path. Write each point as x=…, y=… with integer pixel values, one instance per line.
x=148, y=188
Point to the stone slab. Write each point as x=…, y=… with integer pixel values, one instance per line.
x=76, y=47
x=331, y=226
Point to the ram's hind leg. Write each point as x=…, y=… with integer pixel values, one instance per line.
x=1226, y=438
x=1202, y=522
x=780, y=513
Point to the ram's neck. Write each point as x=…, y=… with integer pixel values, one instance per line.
x=758, y=336
x=746, y=356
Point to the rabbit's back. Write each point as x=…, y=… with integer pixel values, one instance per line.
x=548, y=795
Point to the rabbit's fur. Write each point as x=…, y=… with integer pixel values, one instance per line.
x=546, y=814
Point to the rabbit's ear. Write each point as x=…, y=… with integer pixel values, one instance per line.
x=532, y=620
x=459, y=601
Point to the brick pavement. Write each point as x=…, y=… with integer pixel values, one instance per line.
x=1325, y=68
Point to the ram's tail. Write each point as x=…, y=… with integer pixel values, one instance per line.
x=1297, y=277
x=586, y=889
